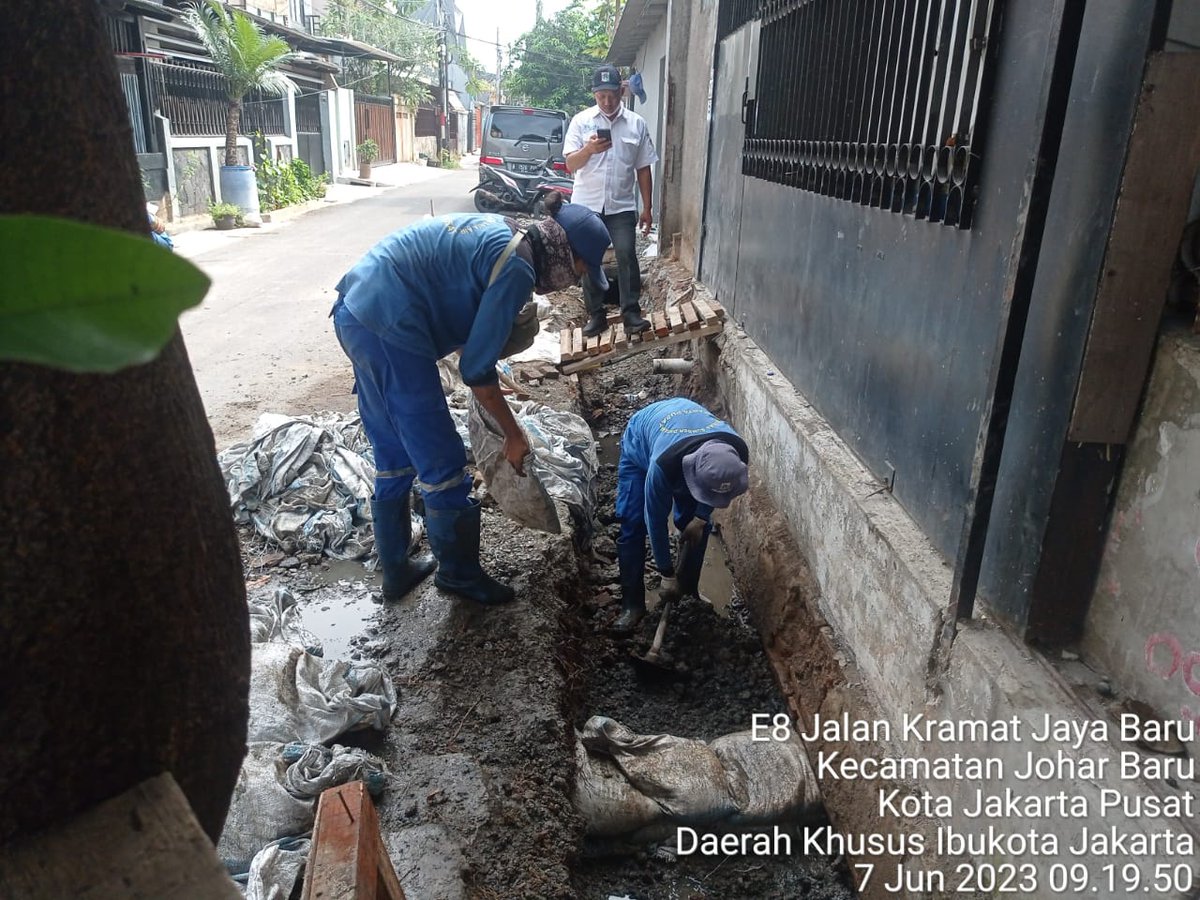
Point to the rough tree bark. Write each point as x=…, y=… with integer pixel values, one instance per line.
x=123, y=625
x=233, y=116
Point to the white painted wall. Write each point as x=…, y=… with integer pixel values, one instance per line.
x=653, y=52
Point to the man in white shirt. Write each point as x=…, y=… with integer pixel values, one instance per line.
x=608, y=148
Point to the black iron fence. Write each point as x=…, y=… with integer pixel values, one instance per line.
x=195, y=102
x=733, y=14
x=877, y=102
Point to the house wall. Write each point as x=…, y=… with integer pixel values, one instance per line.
x=651, y=58
x=337, y=125
x=1142, y=626
x=692, y=69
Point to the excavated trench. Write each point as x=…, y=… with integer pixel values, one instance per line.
x=481, y=749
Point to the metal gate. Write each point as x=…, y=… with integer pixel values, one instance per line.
x=375, y=118
x=308, y=132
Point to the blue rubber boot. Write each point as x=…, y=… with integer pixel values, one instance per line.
x=689, y=572
x=454, y=537
x=393, y=533
x=631, y=561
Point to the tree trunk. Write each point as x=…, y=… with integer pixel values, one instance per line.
x=123, y=622
x=232, y=117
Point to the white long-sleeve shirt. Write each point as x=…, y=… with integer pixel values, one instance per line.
x=607, y=182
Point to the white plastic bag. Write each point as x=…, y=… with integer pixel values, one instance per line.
x=523, y=499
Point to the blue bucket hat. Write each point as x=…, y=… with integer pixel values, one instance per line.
x=715, y=474
x=588, y=239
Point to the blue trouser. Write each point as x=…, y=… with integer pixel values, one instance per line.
x=631, y=510
x=622, y=228
x=406, y=419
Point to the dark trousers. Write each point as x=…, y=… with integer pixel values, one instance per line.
x=622, y=228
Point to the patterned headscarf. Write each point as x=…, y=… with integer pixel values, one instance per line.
x=553, y=261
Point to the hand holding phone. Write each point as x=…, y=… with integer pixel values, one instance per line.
x=605, y=134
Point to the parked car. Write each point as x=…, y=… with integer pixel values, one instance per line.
x=515, y=138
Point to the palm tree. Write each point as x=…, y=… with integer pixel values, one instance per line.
x=246, y=56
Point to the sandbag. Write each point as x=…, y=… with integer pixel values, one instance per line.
x=278, y=869
x=278, y=620
x=770, y=781
x=683, y=777
x=641, y=787
x=522, y=499
x=295, y=696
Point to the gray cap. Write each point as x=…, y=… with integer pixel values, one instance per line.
x=715, y=474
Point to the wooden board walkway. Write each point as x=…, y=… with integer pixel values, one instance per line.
x=689, y=318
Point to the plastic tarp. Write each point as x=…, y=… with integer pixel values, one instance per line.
x=278, y=620
x=277, y=869
x=296, y=696
x=305, y=484
x=276, y=791
x=641, y=787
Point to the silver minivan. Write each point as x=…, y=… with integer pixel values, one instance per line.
x=516, y=137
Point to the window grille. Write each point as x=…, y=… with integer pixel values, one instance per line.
x=877, y=102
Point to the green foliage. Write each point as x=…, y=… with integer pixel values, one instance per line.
x=552, y=63
x=221, y=210
x=286, y=184
x=89, y=299
x=450, y=160
x=244, y=54
x=476, y=86
x=368, y=151
x=414, y=43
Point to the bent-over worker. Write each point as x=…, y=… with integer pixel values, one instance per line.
x=675, y=455
x=458, y=282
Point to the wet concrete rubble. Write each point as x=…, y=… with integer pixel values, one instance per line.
x=480, y=778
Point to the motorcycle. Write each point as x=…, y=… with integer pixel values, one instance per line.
x=521, y=185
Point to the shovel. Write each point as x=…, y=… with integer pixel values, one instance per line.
x=657, y=660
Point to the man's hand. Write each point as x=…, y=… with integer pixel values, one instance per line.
x=595, y=144
x=646, y=220
x=669, y=589
x=693, y=534
x=515, y=449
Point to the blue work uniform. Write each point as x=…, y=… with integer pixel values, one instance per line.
x=650, y=478
x=418, y=295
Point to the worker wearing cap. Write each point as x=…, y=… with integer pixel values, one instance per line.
x=609, y=150
x=675, y=455
x=462, y=283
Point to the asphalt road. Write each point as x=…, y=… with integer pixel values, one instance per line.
x=262, y=340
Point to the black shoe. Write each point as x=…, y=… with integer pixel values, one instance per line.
x=393, y=533
x=454, y=536
x=596, y=324
x=627, y=622
x=634, y=323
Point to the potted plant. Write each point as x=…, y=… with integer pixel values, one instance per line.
x=225, y=215
x=249, y=61
x=368, y=152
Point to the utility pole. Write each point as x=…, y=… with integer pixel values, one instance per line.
x=444, y=101
x=499, y=65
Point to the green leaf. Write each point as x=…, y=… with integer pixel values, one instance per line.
x=89, y=299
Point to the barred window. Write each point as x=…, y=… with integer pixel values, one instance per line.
x=877, y=102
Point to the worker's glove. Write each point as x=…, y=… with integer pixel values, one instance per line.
x=669, y=589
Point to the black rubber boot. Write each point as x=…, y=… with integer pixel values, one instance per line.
x=632, y=317
x=393, y=533
x=454, y=537
x=596, y=324
x=631, y=560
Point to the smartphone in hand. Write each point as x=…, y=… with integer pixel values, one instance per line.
x=605, y=134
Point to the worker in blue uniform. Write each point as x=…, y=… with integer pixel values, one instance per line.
x=454, y=283
x=675, y=456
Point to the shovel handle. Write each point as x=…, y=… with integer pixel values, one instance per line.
x=661, y=630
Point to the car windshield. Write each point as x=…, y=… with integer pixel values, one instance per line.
x=515, y=126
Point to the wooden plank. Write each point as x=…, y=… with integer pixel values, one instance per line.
x=619, y=339
x=593, y=345
x=706, y=312
x=614, y=317
x=348, y=860
x=594, y=361
x=145, y=842
x=716, y=307
x=690, y=316
x=676, y=319
x=1164, y=153
x=576, y=343
x=661, y=326
x=606, y=340
x=564, y=345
